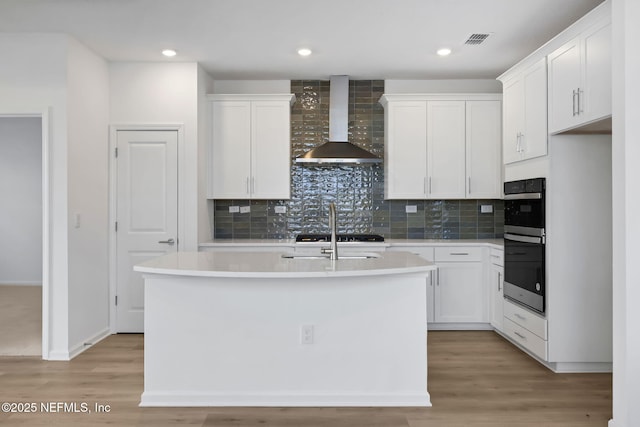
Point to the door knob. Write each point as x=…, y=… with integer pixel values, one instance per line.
x=168, y=242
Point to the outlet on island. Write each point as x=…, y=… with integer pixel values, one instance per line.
x=306, y=334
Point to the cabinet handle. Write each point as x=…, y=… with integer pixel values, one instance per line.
x=518, y=142
x=424, y=185
x=458, y=253
x=520, y=335
x=247, y=185
x=575, y=93
x=429, y=185
x=437, y=277
x=519, y=316
x=580, y=101
x=253, y=185
x=469, y=181
x=499, y=281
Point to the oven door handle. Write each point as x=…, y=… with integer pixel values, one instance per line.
x=524, y=239
x=523, y=196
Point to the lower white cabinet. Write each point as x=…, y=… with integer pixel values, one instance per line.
x=495, y=286
x=459, y=296
x=525, y=328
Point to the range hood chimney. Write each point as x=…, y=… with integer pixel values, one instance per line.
x=338, y=149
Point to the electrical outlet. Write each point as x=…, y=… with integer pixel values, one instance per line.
x=245, y=209
x=280, y=209
x=486, y=208
x=411, y=209
x=306, y=334
x=234, y=209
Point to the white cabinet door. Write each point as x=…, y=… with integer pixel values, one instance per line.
x=525, y=114
x=513, y=99
x=564, y=86
x=483, y=144
x=230, y=150
x=533, y=138
x=270, y=150
x=496, y=296
x=406, y=150
x=580, y=79
x=597, y=72
x=459, y=295
x=446, y=149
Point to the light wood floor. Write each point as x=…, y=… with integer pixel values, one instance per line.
x=476, y=378
x=20, y=320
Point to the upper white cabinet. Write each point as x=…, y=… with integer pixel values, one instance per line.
x=525, y=113
x=580, y=79
x=250, y=154
x=442, y=146
x=483, y=149
x=405, y=164
x=445, y=150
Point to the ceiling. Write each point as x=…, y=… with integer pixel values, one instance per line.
x=258, y=39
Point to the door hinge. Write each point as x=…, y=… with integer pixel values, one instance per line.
x=116, y=299
x=116, y=152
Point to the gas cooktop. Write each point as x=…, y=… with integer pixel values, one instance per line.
x=340, y=238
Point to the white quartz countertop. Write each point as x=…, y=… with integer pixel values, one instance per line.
x=273, y=265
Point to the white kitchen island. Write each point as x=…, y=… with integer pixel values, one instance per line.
x=257, y=329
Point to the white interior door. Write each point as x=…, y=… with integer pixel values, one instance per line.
x=147, y=214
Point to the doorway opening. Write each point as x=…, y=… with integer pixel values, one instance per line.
x=21, y=227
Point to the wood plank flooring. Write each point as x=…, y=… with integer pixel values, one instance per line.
x=20, y=320
x=476, y=378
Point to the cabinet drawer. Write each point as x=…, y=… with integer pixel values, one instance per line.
x=526, y=338
x=496, y=257
x=459, y=253
x=533, y=323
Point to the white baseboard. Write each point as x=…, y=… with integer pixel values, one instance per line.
x=89, y=342
x=565, y=367
x=191, y=399
x=459, y=327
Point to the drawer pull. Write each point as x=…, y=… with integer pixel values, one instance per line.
x=459, y=253
x=520, y=335
x=519, y=316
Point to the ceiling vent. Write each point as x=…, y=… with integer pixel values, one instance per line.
x=476, y=38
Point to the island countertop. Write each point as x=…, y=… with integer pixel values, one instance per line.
x=274, y=265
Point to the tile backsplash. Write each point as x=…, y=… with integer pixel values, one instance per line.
x=357, y=190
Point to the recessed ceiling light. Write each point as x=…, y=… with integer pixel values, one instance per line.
x=169, y=52
x=304, y=51
x=444, y=51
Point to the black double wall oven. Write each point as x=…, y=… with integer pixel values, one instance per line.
x=524, y=242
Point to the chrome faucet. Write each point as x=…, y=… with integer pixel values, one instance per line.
x=333, y=248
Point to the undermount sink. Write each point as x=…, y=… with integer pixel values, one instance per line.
x=364, y=255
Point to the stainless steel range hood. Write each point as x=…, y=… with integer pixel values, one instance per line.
x=338, y=149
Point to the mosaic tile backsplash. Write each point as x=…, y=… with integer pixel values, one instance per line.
x=357, y=190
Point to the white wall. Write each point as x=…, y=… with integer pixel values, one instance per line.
x=205, y=207
x=251, y=86
x=164, y=93
x=88, y=112
x=442, y=86
x=626, y=211
x=32, y=80
x=21, y=196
